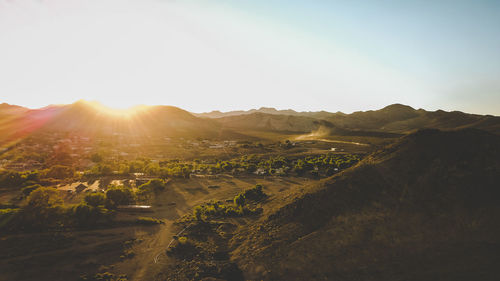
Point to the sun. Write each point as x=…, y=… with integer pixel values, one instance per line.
x=125, y=113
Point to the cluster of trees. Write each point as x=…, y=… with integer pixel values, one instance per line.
x=217, y=209
x=253, y=194
x=166, y=169
x=44, y=207
x=45, y=177
x=321, y=165
x=17, y=179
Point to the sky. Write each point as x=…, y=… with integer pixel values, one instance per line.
x=201, y=55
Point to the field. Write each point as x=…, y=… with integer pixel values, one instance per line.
x=65, y=254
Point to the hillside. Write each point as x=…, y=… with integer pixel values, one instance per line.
x=274, y=122
x=396, y=118
x=399, y=118
x=424, y=208
x=93, y=119
x=266, y=110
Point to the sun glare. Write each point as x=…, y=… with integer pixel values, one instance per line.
x=118, y=112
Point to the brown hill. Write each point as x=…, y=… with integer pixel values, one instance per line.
x=90, y=118
x=396, y=118
x=425, y=208
x=274, y=122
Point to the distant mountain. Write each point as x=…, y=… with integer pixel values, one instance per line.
x=93, y=118
x=89, y=118
x=424, y=208
x=399, y=118
x=274, y=122
x=396, y=119
x=266, y=110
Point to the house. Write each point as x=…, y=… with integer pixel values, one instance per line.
x=260, y=171
x=81, y=187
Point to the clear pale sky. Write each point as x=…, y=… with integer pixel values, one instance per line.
x=225, y=55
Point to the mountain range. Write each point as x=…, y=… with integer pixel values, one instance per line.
x=93, y=118
x=396, y=118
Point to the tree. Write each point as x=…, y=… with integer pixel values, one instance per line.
x=95, y=199
x=154, y=185
x=43, y=207
x=44, y=197
x=60, y=172
x=119, y=195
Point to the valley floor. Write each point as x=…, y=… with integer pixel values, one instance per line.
x=125, y=248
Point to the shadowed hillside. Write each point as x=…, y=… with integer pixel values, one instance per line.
x=425, y=208
x=93, y=119
x=396, y=118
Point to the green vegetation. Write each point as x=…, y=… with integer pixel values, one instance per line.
x=119, y=195
x=148, y=221
x=253, y=194
x=6, y=215
x=95, y=199
x=321, y=165
x=28, y=189
x=153, y=186
x=104, y=276
x=217, y=209
x=15, y=179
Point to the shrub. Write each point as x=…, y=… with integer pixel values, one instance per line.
x=254, y=193
x=60, y=172
x=28, y=189
x=219, y=210
x=118, y=195
x=148, y=221
x=239, y=200
x=95, y=199
x=155, y=185
x=7, y=216
x=84, y=214
x=43, y=207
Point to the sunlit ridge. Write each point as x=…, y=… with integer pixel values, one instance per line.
x=117, y=112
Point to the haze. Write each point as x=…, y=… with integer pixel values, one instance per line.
x=226, y=55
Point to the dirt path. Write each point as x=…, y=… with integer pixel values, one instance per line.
x=150, y=254
x=145, y=261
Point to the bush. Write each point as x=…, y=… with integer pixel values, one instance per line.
x=148, y=221
x=28, y=189
x=7, y=216
x=218, y=210
x=95, y=199
x=239, y=200
x=182, y=239
x=254, y=193
x=118, y=195
x=184, y=249
x=43, y=207
x=60, y=172
x=84, y=214
x=155, y=185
